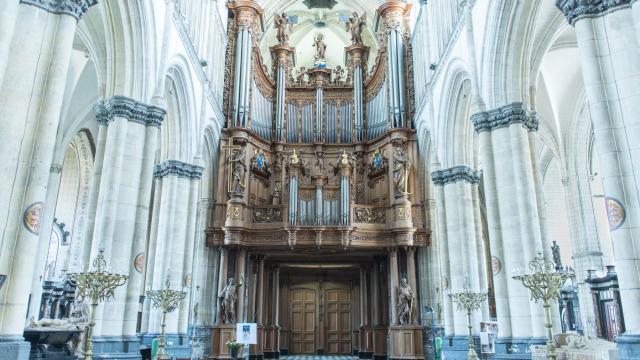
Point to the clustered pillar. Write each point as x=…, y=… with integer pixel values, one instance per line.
x=460, y=244
x=608, y=36
x=33, y=77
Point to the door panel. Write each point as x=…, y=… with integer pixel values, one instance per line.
x=303, y=321
x=338, y=321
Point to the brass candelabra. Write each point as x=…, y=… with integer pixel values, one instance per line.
x=98, y=286
x=545, y=284
x=469, y=301
x=167, y=300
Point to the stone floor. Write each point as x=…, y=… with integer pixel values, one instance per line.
x=317, y=357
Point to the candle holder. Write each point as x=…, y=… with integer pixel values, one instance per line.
x=98, y=286
x=167, y=300
x=545, y=284
x=469, y=301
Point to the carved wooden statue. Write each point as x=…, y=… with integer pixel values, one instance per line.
x=238, y=171
x=321, y=47
x=228, y=300
x=405, y=302
x=356, y=25
x=283, y=26
x=401, y=168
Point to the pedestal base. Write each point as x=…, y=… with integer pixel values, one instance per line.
x=406, y=342
x=220, y=334
x=457, y=347
x=380, y=342
x=628, y=346
x=516, y=348
x=14, y=347
x=256, y=350
x=116, y=347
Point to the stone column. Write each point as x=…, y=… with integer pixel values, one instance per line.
x=35, y=74
x=241, y=278
x=275, y=296
x=465, y=248
x=8, y=16
x=375, y=293
x=362, y=297
x=512, y=214
x=608, y=37
x=393, y=285
x=43, y=239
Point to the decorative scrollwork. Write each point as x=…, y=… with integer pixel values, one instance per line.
x=267, y=215
x=369, y=215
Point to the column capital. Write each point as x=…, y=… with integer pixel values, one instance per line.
x=179, y=169
x=74, y=8
x=504, y=116
x=393, y=13
x=132, y=110
x=245, y=11
x=455, y=174
x=575, y=10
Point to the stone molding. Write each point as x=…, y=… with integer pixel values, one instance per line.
x=74, y=8
x=179, y=169
x=503, y=117
x=455, y=174
x=132, y=110
x=575, y=10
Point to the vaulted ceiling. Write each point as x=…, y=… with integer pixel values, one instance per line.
x=318, y=16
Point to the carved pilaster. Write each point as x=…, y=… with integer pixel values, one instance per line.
x=575, y=10
x=74, y=8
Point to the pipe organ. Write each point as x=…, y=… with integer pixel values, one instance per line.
x=320, y=159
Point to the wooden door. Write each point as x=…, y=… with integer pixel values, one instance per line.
x=303, y=321
x=338, y=321
x=612, y=315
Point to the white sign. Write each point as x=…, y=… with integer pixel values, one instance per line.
x=247, y=333
x=488, y=335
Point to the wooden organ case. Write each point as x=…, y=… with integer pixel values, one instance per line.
x=319, y=210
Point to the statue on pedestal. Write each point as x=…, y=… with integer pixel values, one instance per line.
x=228, y=300
x=405, y=302
x=355, y=25
x=238, y=169
x=321, y=49
x=401, y=168
x=283, y=26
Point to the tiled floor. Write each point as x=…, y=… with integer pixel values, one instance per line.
x=317, y=357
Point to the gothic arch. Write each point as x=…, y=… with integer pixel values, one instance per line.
x=178, y=137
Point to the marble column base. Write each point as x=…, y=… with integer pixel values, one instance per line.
x=628, y=346
x=516, y=348
x=14, y=348
x=116, y=347
x=457, y=347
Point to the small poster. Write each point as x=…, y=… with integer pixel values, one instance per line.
x=247, y=333
x=488, y=335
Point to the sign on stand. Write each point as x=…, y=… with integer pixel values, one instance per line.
x=247, y=334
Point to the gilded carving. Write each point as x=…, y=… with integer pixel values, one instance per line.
x=370, y=215
x=267, y=215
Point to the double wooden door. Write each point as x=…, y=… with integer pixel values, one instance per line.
x=306, y=324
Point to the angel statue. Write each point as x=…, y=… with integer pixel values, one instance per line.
x=283, y=27
x=355, y=25
x=321, y=48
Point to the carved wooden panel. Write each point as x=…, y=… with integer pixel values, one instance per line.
x=338, y=321
x=303, y=321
